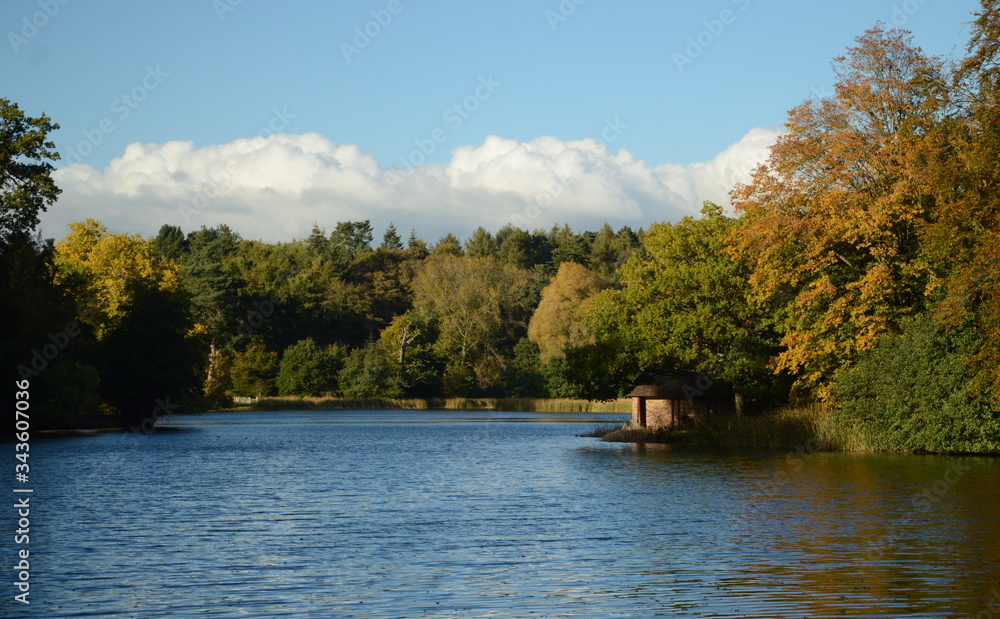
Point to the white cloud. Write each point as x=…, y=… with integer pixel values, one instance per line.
x=274, y=188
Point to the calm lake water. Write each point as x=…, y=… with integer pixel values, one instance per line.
x=445, y=514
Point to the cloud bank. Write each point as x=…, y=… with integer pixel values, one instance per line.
x=274, y=188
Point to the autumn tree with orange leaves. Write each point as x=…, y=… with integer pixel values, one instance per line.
x=831, y=223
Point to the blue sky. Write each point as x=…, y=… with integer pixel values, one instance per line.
x=657, y=87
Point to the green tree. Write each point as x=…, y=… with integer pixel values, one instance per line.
x=307, y=370
x=254, y=369
x=684, y=305
x=481, y=244
x=391, y=239
x=214, y=291
x=448, y=245
x=609, y=250
x=475, y=303
x=150, y=372
x=528, y=380
x=352, y=237
x=170, y=243
x=369, y=372
x=26, y=185
x=384, y=280
x=567, y=246
x=323, y=248
x=515, y=248
x=49, y=347
x=410, y=341
x=416, y=243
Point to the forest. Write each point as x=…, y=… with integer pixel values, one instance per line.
x=859, y=267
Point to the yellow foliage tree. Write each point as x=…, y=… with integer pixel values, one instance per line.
x=103, y=271
x=558, y=323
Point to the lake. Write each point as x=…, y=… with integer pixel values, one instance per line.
x=482, y=514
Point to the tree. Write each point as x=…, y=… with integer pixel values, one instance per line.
x=528, y=380
x=322, y=247
x=104, y=271
x=150, y=371
x=369, y=372
x=391, y=239
x=213, y=288
x=384, y=280
x=831, y=224
x=254, y=370
x=415, y=242
x=26, y=185
x=515, y=248
x=448, y=245
x=912, y=393
x=684, y=305
x=474, y=302
x=558, y=323
x=352, y=237
x=567, y=246
x=481, y=244
x=170, y=243
x=44, y=342
x=962, y=241
x=410, y=340
x=307, y=370
x=609, y=250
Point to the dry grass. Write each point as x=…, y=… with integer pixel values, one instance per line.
x=526, y=405
x=812, y=427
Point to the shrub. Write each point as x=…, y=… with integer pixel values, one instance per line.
x=913, y=393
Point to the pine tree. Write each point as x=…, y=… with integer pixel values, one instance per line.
x=391, y=240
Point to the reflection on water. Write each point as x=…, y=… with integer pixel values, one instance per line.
x=403, y=514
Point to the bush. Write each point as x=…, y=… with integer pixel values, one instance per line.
x=913, y=393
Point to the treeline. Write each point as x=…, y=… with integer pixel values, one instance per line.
x=862, y=269
x=206, y=316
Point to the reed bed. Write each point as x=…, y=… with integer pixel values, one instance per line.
x=810, y=427
x=521, y=405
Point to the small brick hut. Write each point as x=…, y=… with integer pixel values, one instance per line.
x=674, y=398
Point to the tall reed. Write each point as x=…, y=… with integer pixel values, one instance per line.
x=811, y=426
x=526, y=405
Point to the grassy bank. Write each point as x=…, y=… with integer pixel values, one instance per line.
x=811, y=427
x=521, y=405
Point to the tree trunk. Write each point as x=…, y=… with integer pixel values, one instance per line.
x=402, y=357
x=213, y=359
x=738, y=403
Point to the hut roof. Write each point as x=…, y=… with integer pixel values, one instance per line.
x=649, y=391
x=670, y=386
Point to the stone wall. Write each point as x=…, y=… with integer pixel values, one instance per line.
x=665, y=412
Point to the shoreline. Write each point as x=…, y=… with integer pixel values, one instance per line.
x=808, y=429
x=514, y=405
